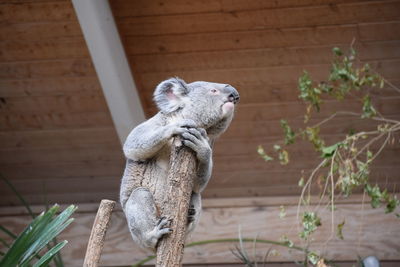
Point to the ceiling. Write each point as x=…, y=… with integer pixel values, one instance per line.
x=58, y=141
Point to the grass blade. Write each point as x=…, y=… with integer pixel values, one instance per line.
x=52, y=229
x=26, y=238
x=44, y=261
x=20, y=197
x=8, y=232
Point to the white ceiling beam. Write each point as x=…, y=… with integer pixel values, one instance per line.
x=109, y=59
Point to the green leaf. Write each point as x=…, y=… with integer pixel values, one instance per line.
x=368, y=110
x=36, y=235
x=312, y=134
x=308, y=93
x=313, y=257
x=19, y=196
x=8, y=232
x=283, y=157
x=369, y=155
x=282, y=212
x=337, y=51
x=392, y=204
x=288, y=132
x=301, y=182
x=327, y=152
x=284, y=239
x=310, y=222
x=339, y=228
x=277, y=147
x=261, y=152
x=52, y=229
x=44, y=261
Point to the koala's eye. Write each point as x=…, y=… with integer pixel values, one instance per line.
x=213, y=91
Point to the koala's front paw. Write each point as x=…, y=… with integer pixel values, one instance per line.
x=196, y=139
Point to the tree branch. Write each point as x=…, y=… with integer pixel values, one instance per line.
x=175, y=204
x=98, y=234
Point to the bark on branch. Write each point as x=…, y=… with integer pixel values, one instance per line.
x=98, y=234
x=175, y=204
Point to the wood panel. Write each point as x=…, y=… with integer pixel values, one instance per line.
x=44, y=49
x=104, y=182
x=258, y=58
x=75, y=138
x=36, y=12
x=59, y=120
x=279, y=74
x=269, y=38
x=58, y=86
x=56, y=131
x=52, y=108
x=364, y=234
x=151, y=8
x=33, y=32
x=47, y=69
x=260, y=19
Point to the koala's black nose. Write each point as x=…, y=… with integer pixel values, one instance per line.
x=233, y=94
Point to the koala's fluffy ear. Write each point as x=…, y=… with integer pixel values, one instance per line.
x=169, y=95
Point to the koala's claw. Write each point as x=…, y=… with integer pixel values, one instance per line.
x=162, y=222
x=191, y=214
x=161, y=226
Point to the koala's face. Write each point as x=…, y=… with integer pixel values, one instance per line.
x=213, y=97
x=211, y=105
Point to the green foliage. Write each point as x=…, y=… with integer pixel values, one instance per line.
x=285, y=240
x=261, y=152
x=312, y=134
x=367, y=108
x=378, y=197
x=313, y=257
x=328, y=152
x=310, y=221
x=339, y=230
x=309, y=93
x=348, y=161
x=343, y=78
x=282, y=212
x=344, y=165
x=283, y=157
x=36, y=236
x=288, y=132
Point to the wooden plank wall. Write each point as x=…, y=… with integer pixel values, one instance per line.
x=55, y=128
x=366, y=232
x=261, y=48
x=56, y=134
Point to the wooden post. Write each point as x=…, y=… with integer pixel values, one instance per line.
x=175, y=204
x=98, y=234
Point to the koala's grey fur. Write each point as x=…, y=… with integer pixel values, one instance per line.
x=198, y=112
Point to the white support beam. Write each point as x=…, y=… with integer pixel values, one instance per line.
x=108, y=56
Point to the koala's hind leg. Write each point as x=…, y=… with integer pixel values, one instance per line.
x=144, y=224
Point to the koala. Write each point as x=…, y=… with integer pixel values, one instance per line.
x=198, y=112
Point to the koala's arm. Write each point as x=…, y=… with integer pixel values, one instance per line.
x=203, y=175
x=149, y=137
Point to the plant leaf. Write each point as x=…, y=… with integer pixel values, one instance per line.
x=46, y=258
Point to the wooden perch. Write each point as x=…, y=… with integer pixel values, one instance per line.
x=175, y=204
x=98, y=234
